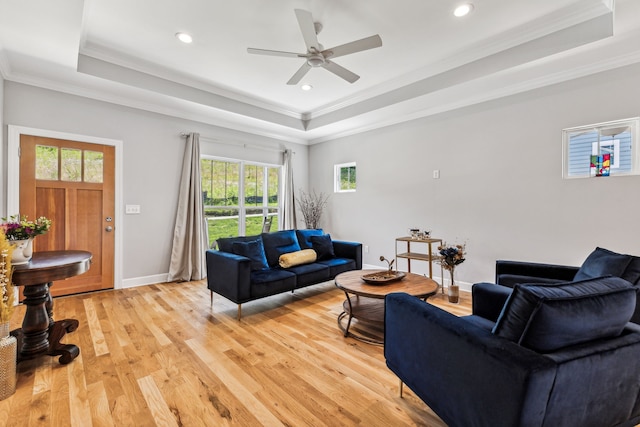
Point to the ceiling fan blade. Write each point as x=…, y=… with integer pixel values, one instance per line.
x=341, y=71
x=305, y=21
x=299, y=74
x=275, y=53
x=353, y=47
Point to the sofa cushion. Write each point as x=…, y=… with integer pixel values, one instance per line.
x=339, y=265
x=304, y=237
x=304, y=256
x=323, y=247
x=547, y=318
x=253, y=250
x=272, y=281
x=308, y=274
x=603, y=262
x=278, y=243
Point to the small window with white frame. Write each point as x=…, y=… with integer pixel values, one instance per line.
x=602, y=149
x=345, y=177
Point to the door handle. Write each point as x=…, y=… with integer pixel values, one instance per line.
x=109, y=228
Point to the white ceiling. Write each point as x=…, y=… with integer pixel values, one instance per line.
x=125, y=52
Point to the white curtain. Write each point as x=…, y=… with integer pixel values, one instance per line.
x=288, y=194
x=190, y=234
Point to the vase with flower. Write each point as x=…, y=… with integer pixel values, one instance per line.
x=20, y=232
x=8, y=343
x=450, y=257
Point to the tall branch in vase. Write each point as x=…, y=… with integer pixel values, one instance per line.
x=311, y=205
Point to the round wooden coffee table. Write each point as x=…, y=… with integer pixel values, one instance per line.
x=365, y=302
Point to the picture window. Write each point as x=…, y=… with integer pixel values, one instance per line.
x=602, y=149
x=345, y=177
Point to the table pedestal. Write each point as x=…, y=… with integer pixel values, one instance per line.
x=40, y=333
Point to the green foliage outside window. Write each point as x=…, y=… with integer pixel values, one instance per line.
x=221, y=183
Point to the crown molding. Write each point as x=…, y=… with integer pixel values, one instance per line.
x=165, y=105
x=509, y=83
x=544, y=26
x=107, y=55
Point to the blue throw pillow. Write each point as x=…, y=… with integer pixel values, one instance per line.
x=254, y=250
x=278, y=243
x=602, y=262
x=304, y=237
x=548, y=318
x=323, y=247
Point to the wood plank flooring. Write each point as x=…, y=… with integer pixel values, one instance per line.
x=159, y=355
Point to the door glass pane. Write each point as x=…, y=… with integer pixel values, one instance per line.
x=93, y=165
x=71, y=161
x=46, y=162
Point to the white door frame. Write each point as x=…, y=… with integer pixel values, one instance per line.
x=13, y=180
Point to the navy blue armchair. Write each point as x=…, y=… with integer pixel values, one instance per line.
x=562, y=355
x=601, y=262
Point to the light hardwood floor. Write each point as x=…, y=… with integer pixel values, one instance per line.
x=159, y=355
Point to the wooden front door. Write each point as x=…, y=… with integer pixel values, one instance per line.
x=72, y=183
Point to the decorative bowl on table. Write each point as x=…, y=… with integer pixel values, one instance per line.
x=383, y=277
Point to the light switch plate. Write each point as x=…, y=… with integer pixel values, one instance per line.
x=132, y=209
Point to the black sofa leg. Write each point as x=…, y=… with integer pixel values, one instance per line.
x=211, y=298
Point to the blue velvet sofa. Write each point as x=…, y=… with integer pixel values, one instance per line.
x=248, y=268
x=556, y=355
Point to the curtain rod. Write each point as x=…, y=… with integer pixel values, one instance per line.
x=236, y=143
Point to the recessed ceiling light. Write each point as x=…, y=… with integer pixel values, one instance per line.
x=463, y=10
x=184, y=37
x=306, y=87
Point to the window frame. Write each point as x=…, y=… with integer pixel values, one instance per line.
x=632, y=123
x=337, y=181
x=242, y=207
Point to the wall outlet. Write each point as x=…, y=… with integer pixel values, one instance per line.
x=366, y=249
x=436, y=173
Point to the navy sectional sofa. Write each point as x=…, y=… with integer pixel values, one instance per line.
x=248, y=268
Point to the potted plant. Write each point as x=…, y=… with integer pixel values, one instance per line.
x=450, y=257
x=311, y=206
x=20, y=232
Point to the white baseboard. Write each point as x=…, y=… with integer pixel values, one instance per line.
x=142, y=281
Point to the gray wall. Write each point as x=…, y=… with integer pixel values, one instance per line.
x=153, y=152
x=501, y=189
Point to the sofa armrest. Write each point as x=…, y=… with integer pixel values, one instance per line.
x=229, y=275
x=487, y=299
x=351, y=250
x=461, y=371
x=509, y=273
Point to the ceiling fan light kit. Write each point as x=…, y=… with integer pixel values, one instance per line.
x=316, y=55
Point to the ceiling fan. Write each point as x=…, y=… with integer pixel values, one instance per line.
x=317, y=55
